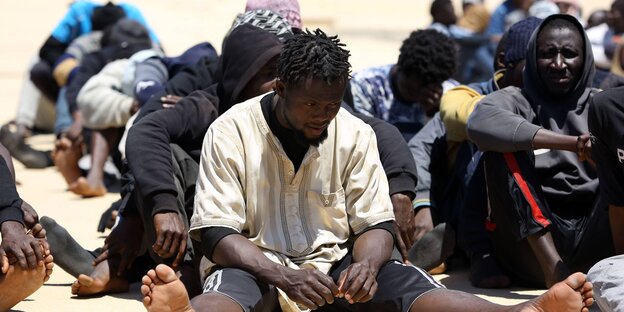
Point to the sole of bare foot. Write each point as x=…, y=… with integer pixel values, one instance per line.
x=17, y=284
x=82, y=187
x=99, y=282
x=575, y=293
x=65, y=157
x=164, y=292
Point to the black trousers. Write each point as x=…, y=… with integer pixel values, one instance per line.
x=42, y=77
x=518, y=208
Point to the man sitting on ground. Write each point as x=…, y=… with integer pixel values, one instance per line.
x=292, y=208
x=25, y=260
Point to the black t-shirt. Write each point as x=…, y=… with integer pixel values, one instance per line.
x=606, y=125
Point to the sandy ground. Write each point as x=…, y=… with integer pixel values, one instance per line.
x=372, y=30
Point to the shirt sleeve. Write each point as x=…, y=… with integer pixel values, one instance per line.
x=219, y=194
x=10, y=202
x=500, y=122
x=366, y=191
x=456, y=106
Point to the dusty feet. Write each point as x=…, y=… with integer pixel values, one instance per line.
x=65, y=156
x=164, y=292
x=88, y=188
x=575, y=293
x=17, y=283
x=99, y=282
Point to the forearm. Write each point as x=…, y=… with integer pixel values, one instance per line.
x=616, y=220
x=373, y=246
x=236, y=251
x=7, y=158
x=551, y=140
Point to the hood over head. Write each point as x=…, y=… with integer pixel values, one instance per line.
x=246, y=50
x=534, y=89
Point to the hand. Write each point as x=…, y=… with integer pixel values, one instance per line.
x=134, y=107
x=171, y=235
x=404, y=225
x=423, y=221
x=358, y=283
x=584, y=148
x=308, y=287
x=170, y=100
x=430, y=96
x=30, y=215
x=27, y=250
x=124, y=241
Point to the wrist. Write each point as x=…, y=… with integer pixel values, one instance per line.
x=11, y=227
x=276, y=275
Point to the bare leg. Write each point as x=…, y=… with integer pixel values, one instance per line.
x=17, y=284
x=550, y=262
x=572, y=295
x=93, y=184
x=100, y=281
x=164, y=292
x=66, y=155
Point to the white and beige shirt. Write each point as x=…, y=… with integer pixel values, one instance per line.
x=303, y=218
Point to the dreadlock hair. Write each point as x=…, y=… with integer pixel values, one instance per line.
x=313, y=55
x=428, y=55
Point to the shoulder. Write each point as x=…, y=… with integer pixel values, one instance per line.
x=372, y=73
x=348, y=124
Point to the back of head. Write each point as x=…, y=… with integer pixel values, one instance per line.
x=442, y=11
x=517, y=39
x=428, y=55
x=267, y=20
x=543, y=9
x=127, y=36
x=313, y=55
x=106, y=15
x=289, y=9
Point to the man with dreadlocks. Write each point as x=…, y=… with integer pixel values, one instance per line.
x=292, y=208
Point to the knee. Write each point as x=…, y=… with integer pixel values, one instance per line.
x=215, y=302
x=41, y=73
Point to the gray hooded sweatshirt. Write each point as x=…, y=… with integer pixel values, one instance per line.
x=507, y=121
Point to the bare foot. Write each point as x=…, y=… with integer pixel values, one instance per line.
x=164, y=292
x=575, y=293
x=17, y=283
x=100, y=281
x=87, y=188
x=65, y=156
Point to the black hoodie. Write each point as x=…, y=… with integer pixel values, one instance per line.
x=245, y=52
x=507, y=121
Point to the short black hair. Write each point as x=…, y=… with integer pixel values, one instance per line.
x=439, y=5
x=106, y=16
x=428, y=55
x=618, y=5
x=313, y=55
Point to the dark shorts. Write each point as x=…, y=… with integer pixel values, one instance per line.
x=399, y=286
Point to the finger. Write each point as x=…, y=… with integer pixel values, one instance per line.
x=364, y=294
x=164, y=250
x=329, y=283
x=324, y=291
x=103, y=256
x=4, y=262
x=315, y=297
x=181, y=253
x=401, y=246
x=38, y=250
x=358, y=277
x=342, y=282
x=31, y=256
x=176, y=243
x=305, y=301
x=20, y=256
x=160, y=239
